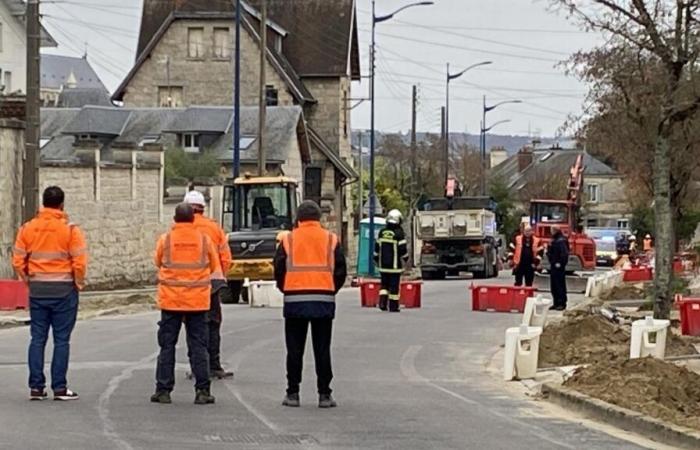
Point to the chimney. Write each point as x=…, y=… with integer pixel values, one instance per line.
x=497, y=156
x=525, y=158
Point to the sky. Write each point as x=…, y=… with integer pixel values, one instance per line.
x=523, y=40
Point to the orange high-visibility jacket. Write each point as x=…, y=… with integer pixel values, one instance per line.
x=51, y=254
x=519, y=248
x=186, y=259
x=310, y=254
x=218, y=238
x=648, y=244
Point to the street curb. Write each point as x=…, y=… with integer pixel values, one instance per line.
x=623, y=418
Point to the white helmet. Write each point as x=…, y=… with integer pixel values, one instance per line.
x=394, y=217
x=195, y=198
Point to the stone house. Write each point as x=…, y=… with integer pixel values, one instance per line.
x=69, y=82
x=533, y=172
x=184, y=58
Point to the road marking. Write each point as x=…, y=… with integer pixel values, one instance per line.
x=408, y=369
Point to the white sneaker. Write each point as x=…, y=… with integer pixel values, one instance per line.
x=65, y=395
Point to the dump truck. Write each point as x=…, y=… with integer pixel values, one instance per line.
x=458, y=234
x=257, y=212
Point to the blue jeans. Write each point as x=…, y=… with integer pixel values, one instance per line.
x=60, y=315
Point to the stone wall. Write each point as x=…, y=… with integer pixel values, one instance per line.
x=612, y=205
x=205, y=81
x=11, y=151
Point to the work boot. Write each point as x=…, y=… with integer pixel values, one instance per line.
x=326, y=401
x=383, y=301
x=221, y=374
x=203, y=397
x=291, y=400
x=394, y=306
x=162, y=397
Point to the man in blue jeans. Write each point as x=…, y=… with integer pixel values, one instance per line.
x=51, y=256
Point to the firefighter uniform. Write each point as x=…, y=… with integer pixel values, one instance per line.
x=187, y=262
x=51, y=256
x=310, y=269
x=390, y=253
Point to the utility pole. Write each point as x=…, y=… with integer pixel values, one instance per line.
x=446, y=156
x=414, y=174
x=237, y=97
x=30, y=178
x=360, y=185
x=263, y=92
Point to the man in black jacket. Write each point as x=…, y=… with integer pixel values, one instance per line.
x=310, y=269
x=390, y=254
x=558, y=255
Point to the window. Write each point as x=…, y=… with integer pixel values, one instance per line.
x=190, y=142
x=271, y=96
x=8, y=82
x=195, y=42
x=43, y=142
x=148, y=140
x=222, y=44
x=623, y=223
x=260, y=206
x=313, y=180
x=592, y=223
x=246, y=141
x=170, y=96
x=593, y=193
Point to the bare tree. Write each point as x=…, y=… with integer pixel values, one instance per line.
x=664, y=35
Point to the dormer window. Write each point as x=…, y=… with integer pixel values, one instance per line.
x=190, y=142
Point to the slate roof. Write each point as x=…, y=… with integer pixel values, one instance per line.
x=77, y=98
x=56, y=69
x=97, y=120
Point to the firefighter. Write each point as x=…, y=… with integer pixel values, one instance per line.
x=390, y=254
x=558, y=255
x=220, y=241
x=310, y=269
x=51, y=256
x=525, y=258
x=187, y=261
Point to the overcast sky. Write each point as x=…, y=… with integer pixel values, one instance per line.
x=522, y=39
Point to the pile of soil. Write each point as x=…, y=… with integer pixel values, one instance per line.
x=590, y=339
x=627, y=292
x=115, y=301
x=647, y=385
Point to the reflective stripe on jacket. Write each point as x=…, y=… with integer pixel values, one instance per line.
x=218, y=237
x=310, y=262
x=186, y=259
x=391, y=249
x=51, y=255
x=519, y=248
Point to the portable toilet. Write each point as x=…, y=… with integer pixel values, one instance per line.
x=365, y=253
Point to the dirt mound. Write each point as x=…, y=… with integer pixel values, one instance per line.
x=588, y=339
x=653, y=387
x=627, y=292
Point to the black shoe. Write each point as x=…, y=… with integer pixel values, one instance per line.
x=65, y=395
x=204, y=397
x=37, y=395
x=162, y=397
x=383, y=301
x=561, y=308
x=221, y=374
x=394, y=306
x=553, y=308
x=291, y=400
x=326, y=401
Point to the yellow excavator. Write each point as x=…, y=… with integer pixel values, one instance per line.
x=257, y=212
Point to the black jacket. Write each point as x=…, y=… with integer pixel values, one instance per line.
x=390, y=249
x=310, y=310
x=558, y=251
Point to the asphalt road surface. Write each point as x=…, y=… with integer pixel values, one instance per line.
x=414, y=380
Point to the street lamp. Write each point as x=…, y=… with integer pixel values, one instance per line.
x=482, y=141
x=449, y=78
x=372, y=194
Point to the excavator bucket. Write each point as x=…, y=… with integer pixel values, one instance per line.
x=575, y=283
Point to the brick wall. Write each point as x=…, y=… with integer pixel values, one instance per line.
x=11, y=151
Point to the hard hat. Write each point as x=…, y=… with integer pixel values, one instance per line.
x=648, y=236
x=394, y=217
x=195, y=198
x=632, y=238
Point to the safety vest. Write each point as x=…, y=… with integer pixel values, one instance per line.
x=186, y=259
x=519, y=248
x=310, y=254
x=218, y=237
x=648, y=244
x=51, y=255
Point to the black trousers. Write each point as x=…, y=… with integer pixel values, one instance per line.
x=391, y=285
x=214, y=321
x=558, y=286
x=295, y=331
x=524, y=271
x=197, y=338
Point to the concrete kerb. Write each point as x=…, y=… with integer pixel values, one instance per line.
x=622, y=418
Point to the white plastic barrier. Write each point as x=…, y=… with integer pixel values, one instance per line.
x=603, y=282
x=536, y=309
x=265, y=294
x=521, y=352
x=641, y=345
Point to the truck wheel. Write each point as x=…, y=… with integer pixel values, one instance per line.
x=440, y=275
x=236, y=288
x=453, y=273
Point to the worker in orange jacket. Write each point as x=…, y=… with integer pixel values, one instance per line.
x=51, y=256
x=187, y=261
x=218, y=237
x=648, y=243
x=525, y=257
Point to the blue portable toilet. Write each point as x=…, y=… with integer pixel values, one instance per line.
x=365, y=253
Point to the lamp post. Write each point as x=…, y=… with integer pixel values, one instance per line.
x=482, y=141
x=372, y=194
x=449, y=78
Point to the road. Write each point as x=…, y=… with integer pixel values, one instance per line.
x=414, y=380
